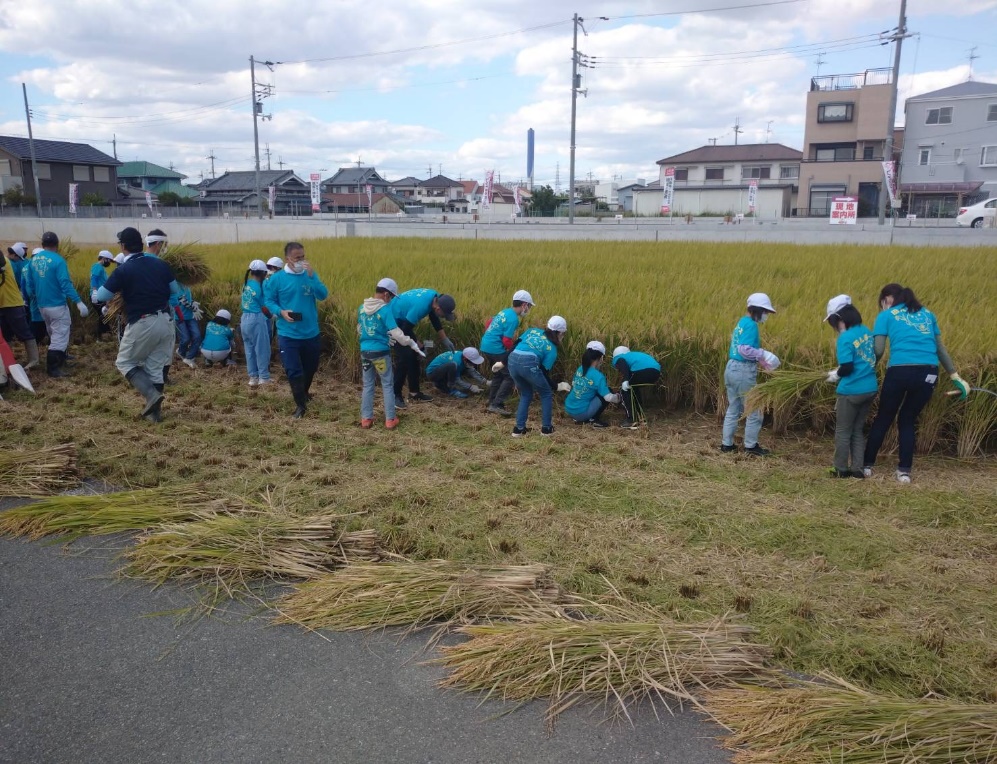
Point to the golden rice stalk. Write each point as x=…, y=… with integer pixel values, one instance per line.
x=37, y=472
x=68, y=249
x=842, y=723
x=621, y=662
x=234, y=550
x=189, y=264
x=75, y=516
x=416, y=594
x=785, y=391
x=979, y=417
x=115, y=309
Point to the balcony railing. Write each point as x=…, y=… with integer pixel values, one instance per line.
x=736, y=182
x=852, y=81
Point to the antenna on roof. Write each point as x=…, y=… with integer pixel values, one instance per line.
x=713, y=141
x=359, y=163
x=768, y=130
x=820, y=62
x=737, y=129
x=972, y=57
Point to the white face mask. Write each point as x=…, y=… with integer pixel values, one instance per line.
x=764, y=318
x=298, y=267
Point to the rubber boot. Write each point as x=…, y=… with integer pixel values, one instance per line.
x=54, y=360
x=300, y=399
x=307, y=385
x=148, y=389
x=31, y=347
x=166, y=375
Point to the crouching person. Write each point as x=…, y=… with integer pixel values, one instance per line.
x=217, y=344
x=447, y=372
x=589, y=390
x=377, y=328
x=146, y=285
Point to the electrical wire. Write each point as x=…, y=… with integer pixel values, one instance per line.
x=679, y=64
x=803, y=49
x=405, y=87
x=703, y=10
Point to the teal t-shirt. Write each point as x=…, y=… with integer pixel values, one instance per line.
x=638, y=361
x=585, y=386
x=505, y=324
x=374, y=328
x=535, y=341
x=912, y=336
x=98, y=276
x=187, y=296
x=856, y=346
x=456, y=357
x=413, y=305
x=298, y=293
x=745, y=333
x=217, y=337
x=252, y=297
x=50, y=282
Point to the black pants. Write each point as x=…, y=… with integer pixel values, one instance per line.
x=633, y=401
x=444, y=378
x=102, y=328
x=906, y=391
x=14, y=324
x=406, y=363
x=39, y=330
x=502, y=384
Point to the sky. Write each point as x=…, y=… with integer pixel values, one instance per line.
x=431, y=85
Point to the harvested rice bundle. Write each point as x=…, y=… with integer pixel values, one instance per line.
x=787, y=388
x=189, y=264
x=68, y=249
x=619, y=662
x=75, y=516
x=416, y=594
x=234, y=550
x=37, y=472
x=844, y=723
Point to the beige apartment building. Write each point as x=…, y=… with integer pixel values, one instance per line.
x=844, y=139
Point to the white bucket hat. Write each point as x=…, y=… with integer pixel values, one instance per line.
x=760, y=300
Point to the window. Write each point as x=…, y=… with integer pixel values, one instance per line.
x=992, y=113
x=4, y=167
x=682, y=173
x=867, y=152
x=941, y=116
x=821, y=197
x=789, y=171
x=924, y=157
x=957, y=156
x=988, y=156
x=761, y=173
x=835, y=153
x=44, y=171
x=81, y=172
x=102, y=174
x=714, y=173
x=834, y=112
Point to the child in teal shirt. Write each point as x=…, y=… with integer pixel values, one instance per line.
x=589, y=390
x=218, y=335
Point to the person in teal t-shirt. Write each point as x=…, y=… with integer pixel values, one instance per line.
x=217, y=344
x=498, y=339
x=916, y=350
x=589, y=390
x=254, y=325
x=856, y=383
x=637, y=370
x=447, y=371
x=98, y=277
x=530, y=363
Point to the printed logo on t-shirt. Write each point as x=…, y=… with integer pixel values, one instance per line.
x=920, y=321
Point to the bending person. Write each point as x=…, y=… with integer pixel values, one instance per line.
x=589, y=390
x=410, y=308
x=498, y=339
x=530, y=363
x=637, y=370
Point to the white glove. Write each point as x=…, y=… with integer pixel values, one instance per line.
x=103, y=311
x=612, y=398
x=625, y=386
x=474, y=389
x=770, y=362
x=832, y=377
x=83, y=309
x=418, y=350
x=93, y=295
x=563, y=387
x=198, y=313
x=488, y=383
x=497, y=367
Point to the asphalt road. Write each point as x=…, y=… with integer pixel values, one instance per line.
x=87, y=676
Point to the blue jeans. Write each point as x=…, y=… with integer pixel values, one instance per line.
x=377, y=365
x=190, y=338
x=256, y=339
x=596, y=407
x=300, y=357
x=739, y=378
x=529, y=378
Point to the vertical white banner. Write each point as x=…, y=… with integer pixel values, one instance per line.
x=315, y=181
x=148, y=199
x=370, y=197
x=74, y=192
x=752, y=194
x=272, y=198
x=668, y=192
x=518, y=208
x=486, y=194
x=890, y=176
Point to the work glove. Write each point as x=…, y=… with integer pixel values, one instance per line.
x=497, y=367
x=83, y=309
x=832, y=377
x=93, y=295
x=612, y=398
x=474, y=389
x=563, y=387
x=488, y=383
x=103, y=311
x=418, y=350
x=770, y=361
x=625, y=386
x=198, y=313
x=448, y=344
x=961, y=385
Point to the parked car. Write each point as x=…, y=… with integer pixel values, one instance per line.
x=974, y=216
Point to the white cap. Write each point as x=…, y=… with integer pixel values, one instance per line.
x=37, y=250
x=275, y=262
x=557, y=324
x=104, y=255
x=119, y=258
x=391, y=286
x=523, y=296
x=19, y=249
x=257, y=265
x=596, y=345
x=837, y=303
x=620, y=350
x=223, y=314
x=760, y=300
x=472, y=355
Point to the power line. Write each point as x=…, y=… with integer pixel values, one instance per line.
x=714, y=61
x=704, y=10
x=802, y=48
x=403, y=87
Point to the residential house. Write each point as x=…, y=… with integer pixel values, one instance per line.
x=847, y=121
x=625, y=196
x=443, y=192
x=146, y=175
x=58, y=164
x=235, y=192
x=404, y=187
x=352, y=180
x=503, y=201
x=608, y=193
x=716, y=179
x=950, y=148
x=472, y=192
x=356, y=203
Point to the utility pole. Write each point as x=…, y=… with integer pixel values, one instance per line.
x=257, y=101
x=557, y=178
x=737, y=129
x=212, y=157
x=897, y=38
x=31, y=148
x=576, y=82
x=114, y=143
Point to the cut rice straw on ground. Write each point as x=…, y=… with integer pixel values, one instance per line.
x=618, y=662
x=841, y=723
x=75, y=516
x=233, y=551
x=38, y=472
x=417, y=594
